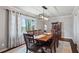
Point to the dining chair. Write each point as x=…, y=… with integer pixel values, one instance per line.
x=48, y=45
x=31, y=44
x=56, y=33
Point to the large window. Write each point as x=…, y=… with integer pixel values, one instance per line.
x=27, y=23
x=23, y=24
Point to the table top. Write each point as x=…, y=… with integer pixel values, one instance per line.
x=43, y=37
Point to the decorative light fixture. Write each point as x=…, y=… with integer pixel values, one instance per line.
x=42, y=16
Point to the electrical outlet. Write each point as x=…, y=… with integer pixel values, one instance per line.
x=2, y=44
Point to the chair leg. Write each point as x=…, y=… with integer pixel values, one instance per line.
x=51, y=50
x=54, y=47
x=26, y=50
x=42, y=50
x=57, y=43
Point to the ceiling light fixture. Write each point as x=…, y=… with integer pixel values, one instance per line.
x=44, y=7
x=43, y=16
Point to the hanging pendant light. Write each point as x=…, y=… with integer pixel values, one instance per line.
x=44, y=7
x=43, y=16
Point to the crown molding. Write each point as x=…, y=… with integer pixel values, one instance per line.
x=16, y=9
x=75, y=10
x=62, y=16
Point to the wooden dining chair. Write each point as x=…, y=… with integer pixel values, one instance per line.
x=31, y=44
x=48, y=45
x=56, y=33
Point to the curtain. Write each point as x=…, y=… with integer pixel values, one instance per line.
x=21, y=29
x=15, y=30
x=19, y=34
x=18, y=24
x=12, y=29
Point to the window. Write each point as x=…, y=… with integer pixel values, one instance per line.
x=23, y=25
x=27, y=23
x=45, y=27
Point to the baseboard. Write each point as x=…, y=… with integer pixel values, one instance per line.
x=3, y=51
x=78, y=47
x=68, y=37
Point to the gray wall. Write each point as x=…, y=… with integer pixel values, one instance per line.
x=3, y=29
x=40, y=24
x=67, y=25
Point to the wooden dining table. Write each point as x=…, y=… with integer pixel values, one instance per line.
x=43, y=37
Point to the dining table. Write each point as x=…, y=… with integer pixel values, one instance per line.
x=43, y=37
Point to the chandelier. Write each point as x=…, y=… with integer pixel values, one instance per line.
x=42, y=16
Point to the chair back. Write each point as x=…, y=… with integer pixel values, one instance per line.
x=29, y=39
x=56, y=30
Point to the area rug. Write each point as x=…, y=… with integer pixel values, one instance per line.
x=64, y=47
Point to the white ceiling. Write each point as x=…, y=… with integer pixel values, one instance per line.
x=52, y=11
